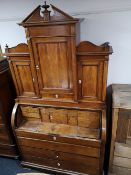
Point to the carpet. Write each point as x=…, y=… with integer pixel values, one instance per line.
x=12, y=167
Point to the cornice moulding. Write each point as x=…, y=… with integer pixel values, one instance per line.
x=76, y=14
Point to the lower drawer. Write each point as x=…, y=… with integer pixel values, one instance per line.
x=61, y=147
x=56, y=155
x=65, y=165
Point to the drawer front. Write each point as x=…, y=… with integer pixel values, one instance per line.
x=89, y=119
x=56, y=155
x=61, y=147
x=65, y=165
x=58, y=96
x=30, y=112
x=70, y=140
x=54, y=115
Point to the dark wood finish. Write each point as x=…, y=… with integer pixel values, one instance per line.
x=121, y=138
x=7, y=141
x=59, y=119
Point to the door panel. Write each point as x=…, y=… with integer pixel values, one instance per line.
x=24, y=78
x=54, y=66
x=90, y=80
x=54, y=63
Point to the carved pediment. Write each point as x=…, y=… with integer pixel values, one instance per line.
x=46, y=14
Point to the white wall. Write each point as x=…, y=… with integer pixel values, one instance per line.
x=104, y=21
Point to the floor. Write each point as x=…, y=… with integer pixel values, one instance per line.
x=11, y=167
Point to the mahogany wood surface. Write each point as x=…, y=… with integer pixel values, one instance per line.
x=59, y=119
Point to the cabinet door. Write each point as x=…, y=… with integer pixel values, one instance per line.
x=24, y=78
x=53, y=59
x=90, y=77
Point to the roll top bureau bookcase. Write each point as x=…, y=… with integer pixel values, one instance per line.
x=59, y=119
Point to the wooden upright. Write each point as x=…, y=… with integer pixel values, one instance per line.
x=59, y=119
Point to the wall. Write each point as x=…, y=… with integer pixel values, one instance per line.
x=104, y=20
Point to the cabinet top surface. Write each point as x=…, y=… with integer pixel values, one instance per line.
x=121, y=94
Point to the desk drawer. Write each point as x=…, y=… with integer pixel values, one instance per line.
x=61, y=147
x=81, y=167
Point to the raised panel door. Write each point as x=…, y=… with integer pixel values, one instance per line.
x=53, y=61
x=90, y=77
x=24, y=78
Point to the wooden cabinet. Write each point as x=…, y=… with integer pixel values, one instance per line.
x=23, y=72
x=92, y=71
x=7, y=141
x=120, y=154
x=59, y=119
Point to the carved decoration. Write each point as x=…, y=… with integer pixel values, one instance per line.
x=46, y=12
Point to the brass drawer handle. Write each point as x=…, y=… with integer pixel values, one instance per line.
x=54, y=138
x=58, y=164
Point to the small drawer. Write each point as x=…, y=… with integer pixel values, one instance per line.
x=58, y=116
x=30, y=112
x=73, y=117
x=58, y=96
x=89, y=119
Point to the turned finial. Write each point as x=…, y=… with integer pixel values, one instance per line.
x=46, y=12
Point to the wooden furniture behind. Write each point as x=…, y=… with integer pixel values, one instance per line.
x=120, y=154
x=7, y=144
x=59, y=119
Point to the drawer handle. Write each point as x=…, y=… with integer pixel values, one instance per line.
x=80, y=81
x=57, y=156
x=58, y=164
x=54, y=138
x=56, y=96
x=37, y=66
x=51, y=117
